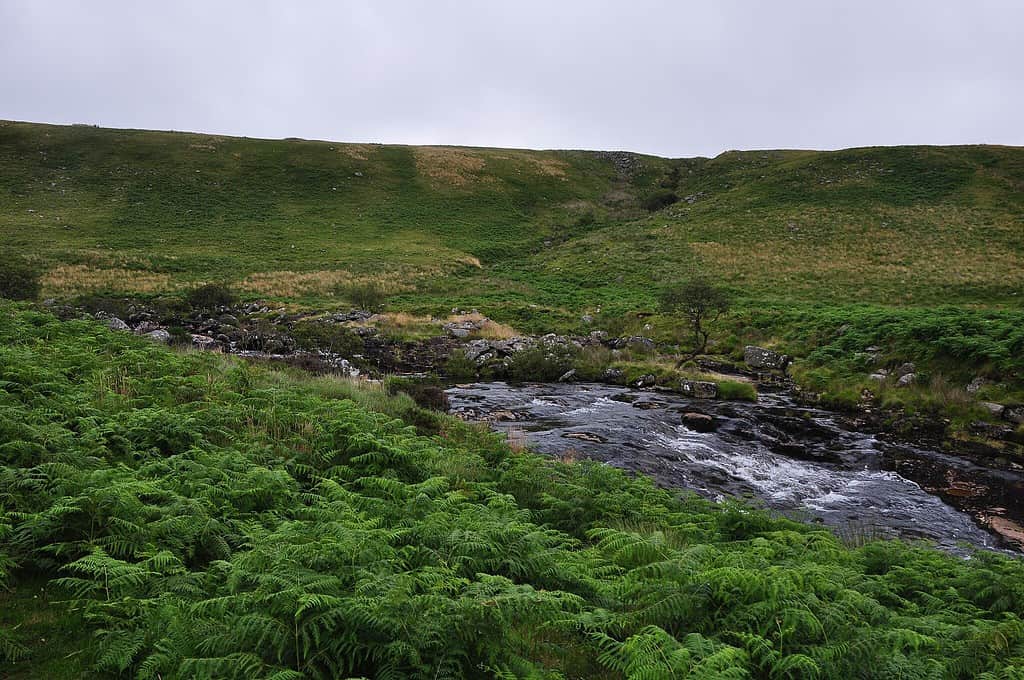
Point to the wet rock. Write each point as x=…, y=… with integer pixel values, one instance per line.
x=991, y=430
x=612, y=375
x=585, y=436
x=115, y=324
x=159, y=335
x=646, y=405
x=699, y=422
x=568, y=376
x=760, y=357
x=1008, y=530
x=646, y=380
x=699, y=389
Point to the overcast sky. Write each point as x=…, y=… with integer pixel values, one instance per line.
x=670, y=78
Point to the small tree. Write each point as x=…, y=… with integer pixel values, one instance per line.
x=702, y=303
x=19, y=279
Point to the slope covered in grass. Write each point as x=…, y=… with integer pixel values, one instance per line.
x=171, y=516
x=819, y=250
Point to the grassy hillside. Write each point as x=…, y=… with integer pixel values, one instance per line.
x=924, y=242
x=172, y=515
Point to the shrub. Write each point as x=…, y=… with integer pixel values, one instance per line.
x=427, y=393
x=459, y=367
x=367, y=295
x=312, y=335
x=210, y=297
x=659, y=199
x=543, y=363
x=734, y=389
x=19, y=279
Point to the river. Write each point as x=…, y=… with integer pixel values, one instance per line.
x=799, y=461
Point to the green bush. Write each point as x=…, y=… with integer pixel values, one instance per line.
x=735, y=389
x=662, y=198
x=368, y=295
x=19, y=279
x=312, y=334
x=543, y=363
x=210, y=297
x=459, y=367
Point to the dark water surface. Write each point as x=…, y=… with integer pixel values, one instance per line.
x=793, y=459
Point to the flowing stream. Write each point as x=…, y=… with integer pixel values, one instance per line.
x=796, y=460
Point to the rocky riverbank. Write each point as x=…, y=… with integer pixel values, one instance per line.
x=355, y=342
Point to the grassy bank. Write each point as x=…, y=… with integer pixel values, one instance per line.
x=918, y=250
x=185, y=515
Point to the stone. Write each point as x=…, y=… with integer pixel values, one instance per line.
x=568, y=376
x=613, y=375
x=115, y=324
x=598, y=337
x=906, y=380
x=699, y=422
x=159, y=335
x=587, y=319
x=228, y=320
x=585, y=436
x=646, y=380
x=975, y=385
x=993, y=408
x=204, y=342
x=1015, y=414
x=699, y=389
x=878, y=376
x=646, y=405
x=760, y=357
x=906, y=369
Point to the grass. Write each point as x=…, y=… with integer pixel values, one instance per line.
x=806, y=242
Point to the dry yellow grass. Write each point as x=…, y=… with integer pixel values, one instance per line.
x=73, y=279
x=291, y=284
x=489, y=329
x=360, y=152
x=448, y=165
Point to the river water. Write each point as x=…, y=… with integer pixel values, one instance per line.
x=796, y=460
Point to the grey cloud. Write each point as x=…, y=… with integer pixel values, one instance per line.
x=672, y=78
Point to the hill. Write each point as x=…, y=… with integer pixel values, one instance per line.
x=918, y=250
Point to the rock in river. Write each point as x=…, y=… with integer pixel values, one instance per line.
x=759, y=357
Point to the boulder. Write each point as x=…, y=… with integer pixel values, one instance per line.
x=204, y=342
x=228, y=320
x=993, y=408
x=906, y=380
x=699, y=389
x=646, y=380
x=760, y=357
x=699, y=422
x=635, y=342
x=612, y=375
x=568, y=376
x=585, y=436
x=115, y=324
x=878, y=376
x=975, y=385
x=906, y=369
x=159, y=335
x=1015, y=414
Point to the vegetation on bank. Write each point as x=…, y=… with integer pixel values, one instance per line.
x=187, y=515
x=923, y=242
